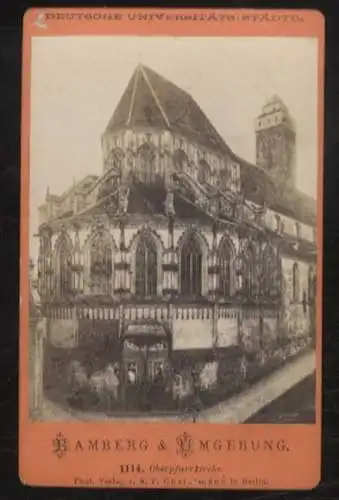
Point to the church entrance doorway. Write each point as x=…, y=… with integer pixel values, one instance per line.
x=145, y=366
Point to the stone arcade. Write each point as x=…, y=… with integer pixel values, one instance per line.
x=180, y=254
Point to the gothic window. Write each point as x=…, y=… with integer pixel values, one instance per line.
x=240, y=269
x=249, y=274
x=223, y=179
x=44, y=266
x=65, y=267
x=295, y=282
x=114, y=160
x=224, y=262
x=146, y=163
x=101, y=269
x=146, y=267
x=245, y=273
x=180, y=160
x=269, y=272
x=204, y=172
x=234, y=173
x=191, y=267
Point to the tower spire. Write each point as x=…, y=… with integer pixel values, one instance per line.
x=276, y=141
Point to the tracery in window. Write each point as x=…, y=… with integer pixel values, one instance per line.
x=245, y=269
x=45, y=266
x=101, y=267
x=224, y=262
x=270, y=271
x=146, y=163
x=191, y=267
x=114, y=160
x=295, y=283
x=146, y=267
x=204, y=172
x=234, y=173
x=64, y=261
x=180, y=160
x=223, y=181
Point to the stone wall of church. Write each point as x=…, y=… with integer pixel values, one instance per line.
x=227, y=326
x=63, y=332
x=294, y=318
x=168, y=276
x=296, y=307
x=221, y=328
x=172, y=152
x=167, y=153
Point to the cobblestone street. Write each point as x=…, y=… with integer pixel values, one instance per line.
x=256, y=401
x=243, y=406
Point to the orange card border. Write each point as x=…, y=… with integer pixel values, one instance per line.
x=298, y=469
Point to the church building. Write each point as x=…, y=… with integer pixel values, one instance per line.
x=180, y=253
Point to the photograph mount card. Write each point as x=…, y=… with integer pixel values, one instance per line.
x=171, y=248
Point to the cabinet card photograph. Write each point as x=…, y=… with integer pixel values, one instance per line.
x=171, y=249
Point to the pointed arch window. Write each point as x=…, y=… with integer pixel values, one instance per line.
x=269, y=271
x=249, y=274
x=223, y=181
x=146, y=267
x=234, y=173
x=114, y=160
x=204, y=172
x=101, y=268
x=224, y=263
x=191, y=267
x=65, y=266
x=180, y=160
x=295, y=283
x=146, y=163
x=45, y=267
x=245, y=273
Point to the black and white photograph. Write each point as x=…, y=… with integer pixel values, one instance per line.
x=173, y=229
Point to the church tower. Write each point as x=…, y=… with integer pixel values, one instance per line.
x=276, y=141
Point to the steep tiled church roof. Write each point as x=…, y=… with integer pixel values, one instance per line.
x=152, y=100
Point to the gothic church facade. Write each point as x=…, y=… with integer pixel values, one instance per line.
x=179, y=245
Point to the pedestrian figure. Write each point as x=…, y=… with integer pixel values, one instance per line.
x=111, y=386
x=131, y=393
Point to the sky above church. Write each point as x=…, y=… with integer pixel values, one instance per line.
x=76, y=83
